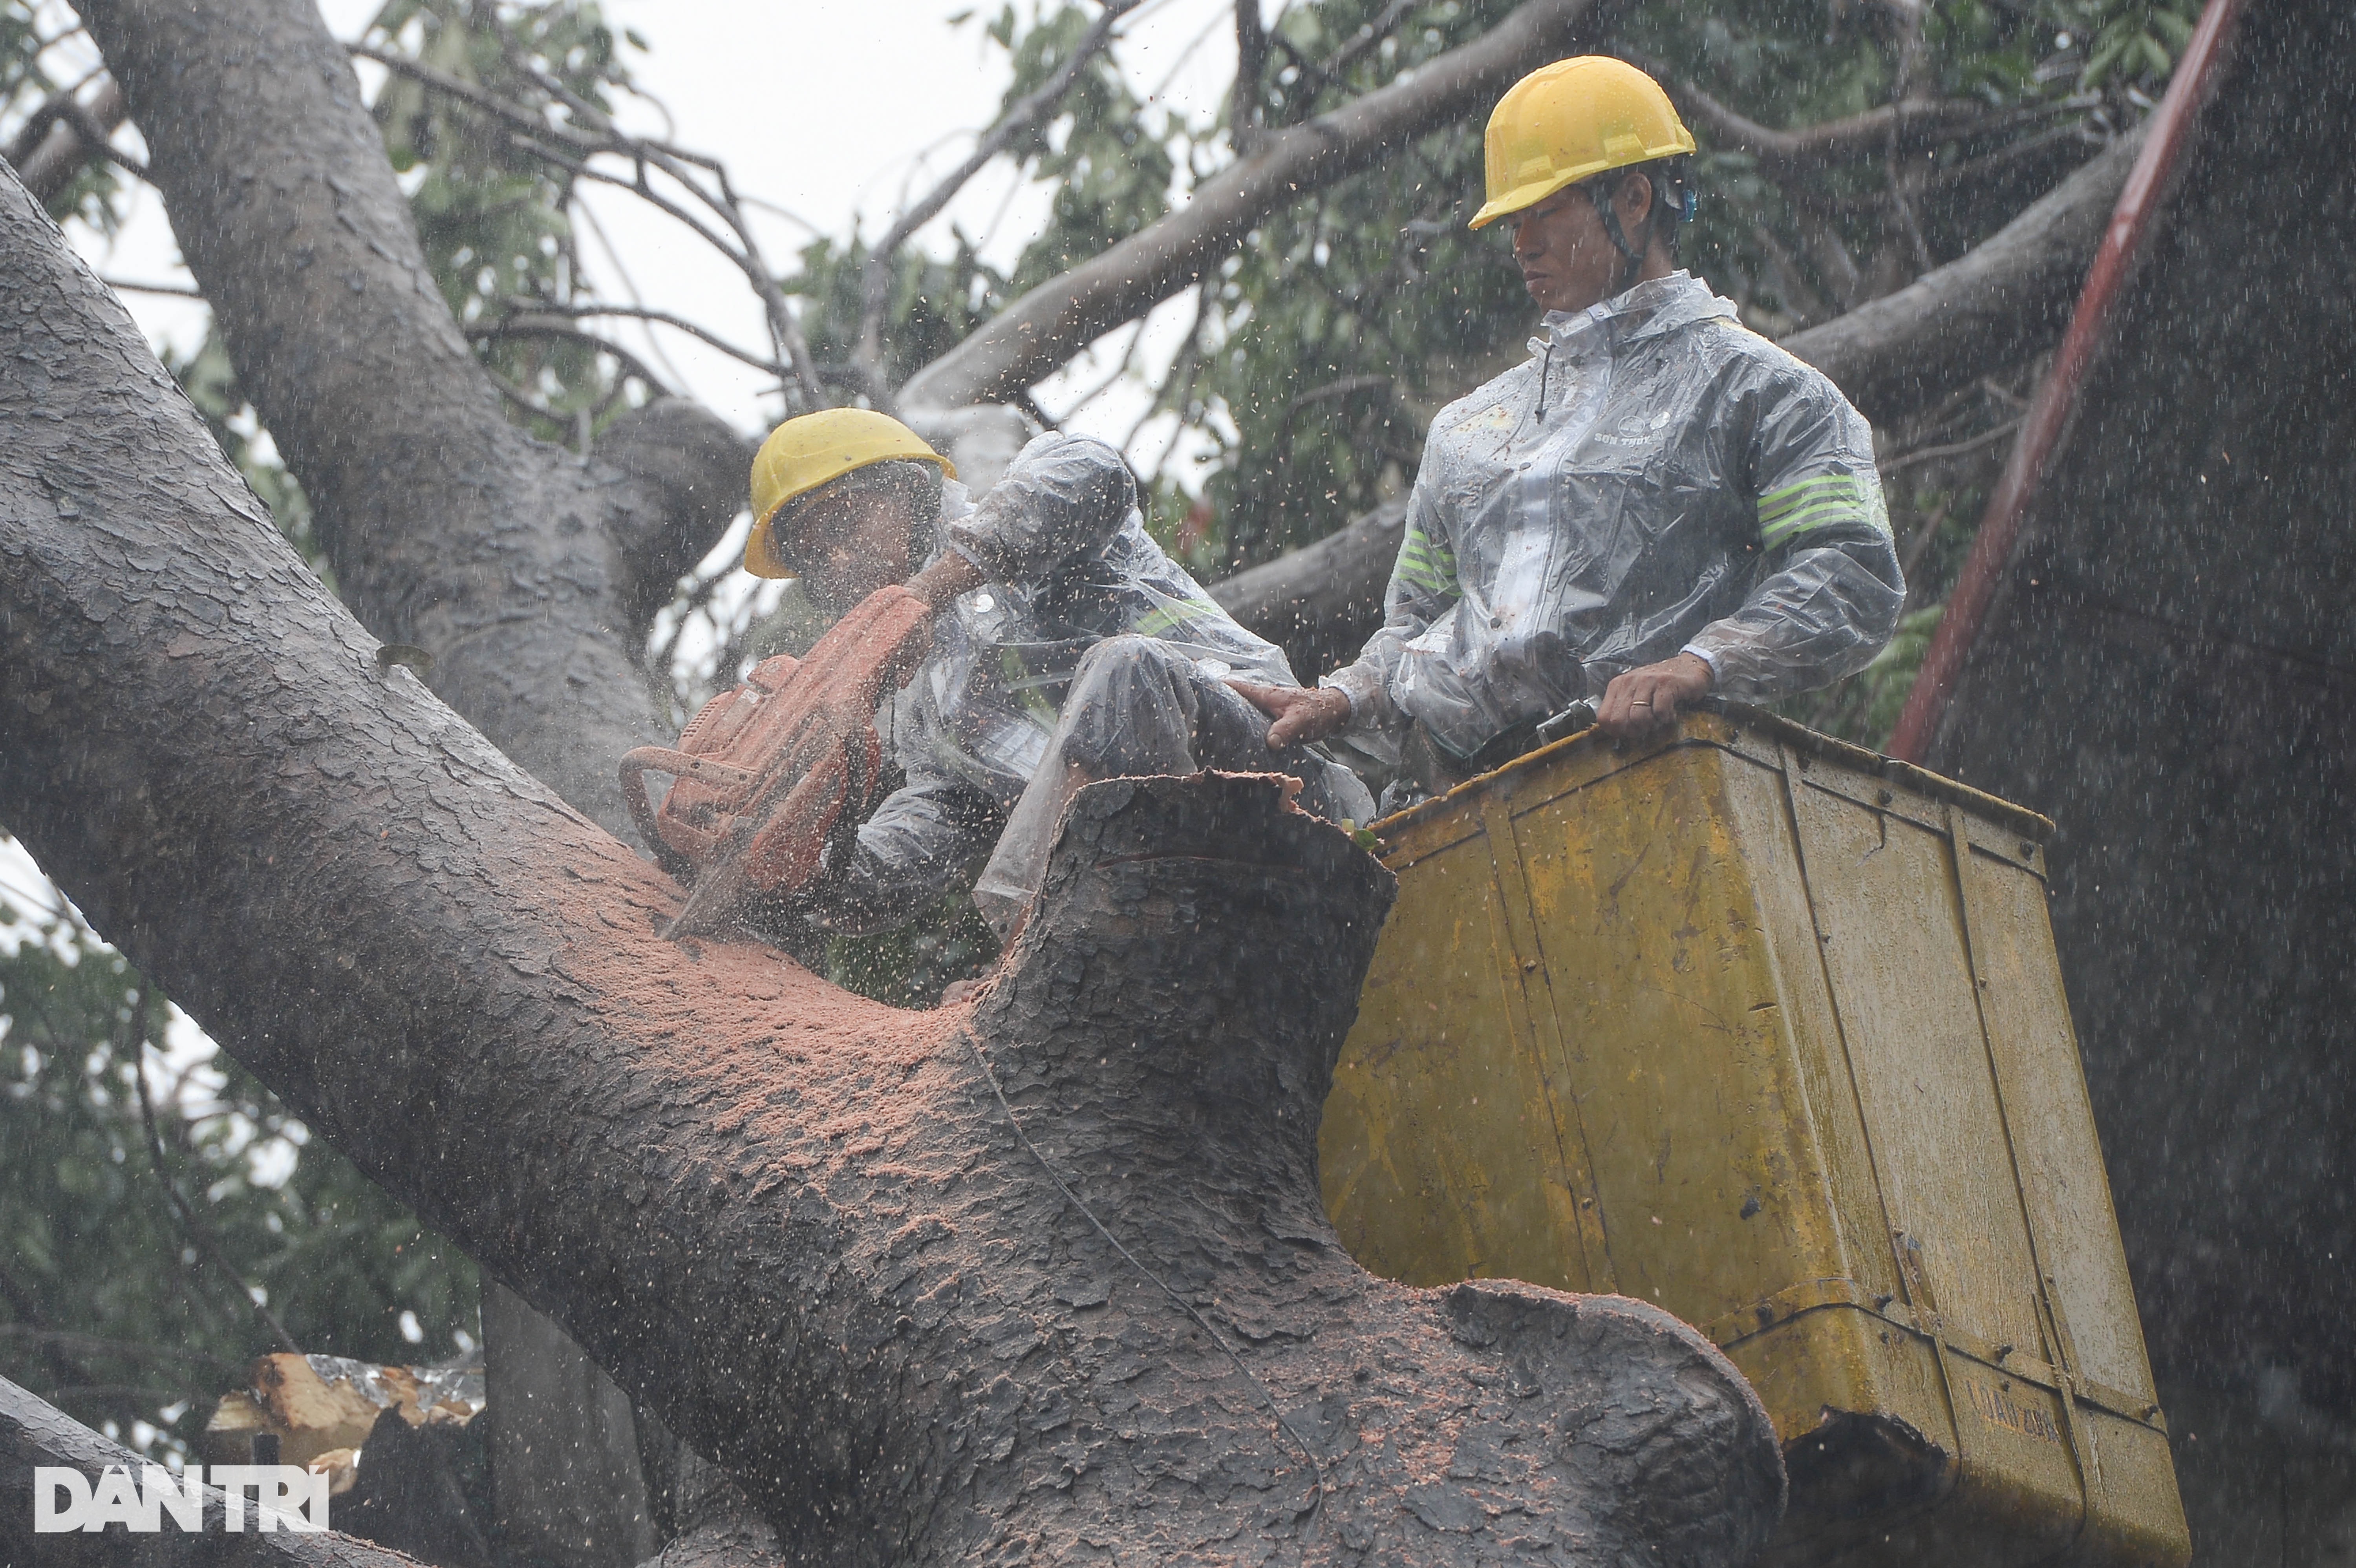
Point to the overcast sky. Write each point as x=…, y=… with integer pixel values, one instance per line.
x=833, y=110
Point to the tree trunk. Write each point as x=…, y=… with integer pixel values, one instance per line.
x=2168, y=668
x=530, y=573
x=513, y=562
x=851, y=1253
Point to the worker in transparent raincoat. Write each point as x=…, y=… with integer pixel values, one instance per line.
x=1068, y=647
x=1657, y=504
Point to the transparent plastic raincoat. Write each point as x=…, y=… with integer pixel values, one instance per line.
x=1070, y=565
x=1656, y=478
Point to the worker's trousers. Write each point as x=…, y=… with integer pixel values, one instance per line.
x=1139, y=706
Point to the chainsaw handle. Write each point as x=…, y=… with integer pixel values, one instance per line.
x=641, y=761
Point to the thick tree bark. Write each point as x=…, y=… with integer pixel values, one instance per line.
x=850, y=1252
x=1054, y=321
x=1995, y=305
x=513, y=562
x=2169, y=669
x=527, y=571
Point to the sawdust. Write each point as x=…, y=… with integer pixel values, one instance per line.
x=770, y=1039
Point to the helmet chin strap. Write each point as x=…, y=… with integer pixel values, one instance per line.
x=1632, y=259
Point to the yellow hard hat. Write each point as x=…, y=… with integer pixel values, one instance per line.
x=1571, y=120
x=803, y=454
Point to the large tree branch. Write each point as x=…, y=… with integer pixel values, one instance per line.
x=521, y=567
x=1995, y=305
x=841, y=1248
x=1018, y=119
x=513, y=562
x=1054, y=321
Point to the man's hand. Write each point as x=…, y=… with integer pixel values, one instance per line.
x=1299, y=716
x=1645, y=701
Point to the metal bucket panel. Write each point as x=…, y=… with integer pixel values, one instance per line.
x=1729, y=1024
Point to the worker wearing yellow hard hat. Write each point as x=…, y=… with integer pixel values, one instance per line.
x=811, y=454
x=1657, y=504
x=1067, y=648
x=1571, y=120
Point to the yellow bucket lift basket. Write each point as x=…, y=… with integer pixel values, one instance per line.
x=1769, y=1031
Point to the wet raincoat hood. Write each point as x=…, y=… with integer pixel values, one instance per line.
x=1656, y=478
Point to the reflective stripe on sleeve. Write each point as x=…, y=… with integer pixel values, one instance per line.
x=1812, y=504
x=1425, y=565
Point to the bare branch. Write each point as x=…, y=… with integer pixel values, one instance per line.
x=475, y=97
x=1060, y=317
x=877, y=277
x=1954, y=175
x=1184, y=370
x=540, y=326
x=1969, y=444
x=643, y=313
x=1348, y=385
x=784, y=329
x=1251, y=65
x=1918, y=545
x=133, y=1045
x=92, y=1345
x=537, y=131
x=1365, y=38
x=596, y=232
x=1815, y=147
x=115, y=1393
x=1127, y=358
x=64, y=134
x=177, y=291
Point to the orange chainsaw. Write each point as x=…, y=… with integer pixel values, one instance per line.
x=767, y=774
